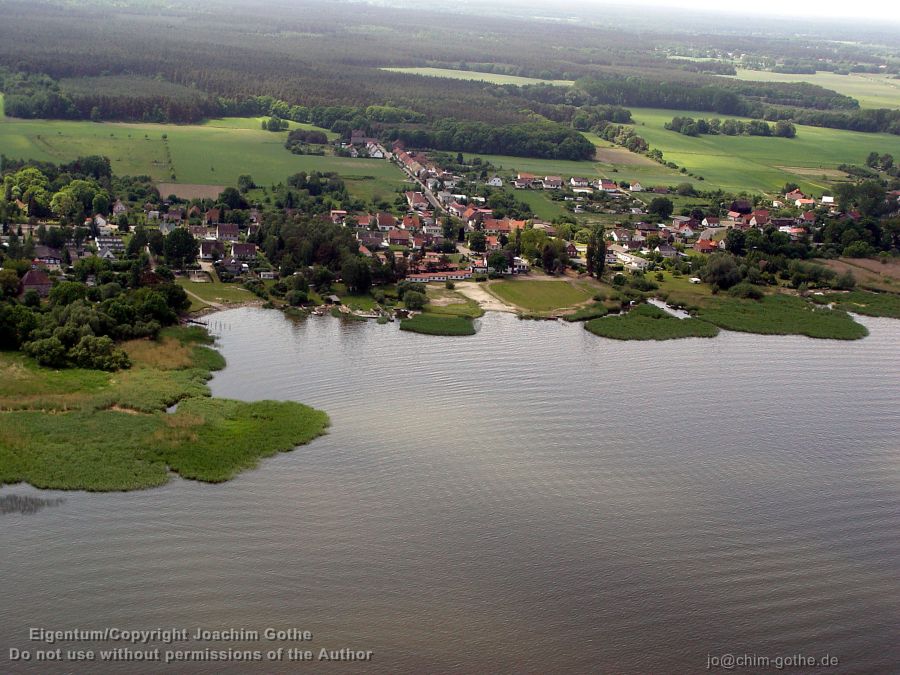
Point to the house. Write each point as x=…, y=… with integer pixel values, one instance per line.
x=243, y=251
x=629, y=259
x=211, y=250
x=385, y=222
x=337, y=216
x=710, y=221
x=607, y=185
x=233, y=266
x=35, y=280
x=213, y=216
x=519, y=266
x=114, y=244
x=706, y=246
x=579, y=182
x=552, y=183
x=51, y=258
x=495, y=181
x=227, y=232
x=119, y=208
x=398, y=238
x=493, y=243
x=268, y=274
x=666, y=251
x=371, y=240
x=794, y=195
x=808, y=217
x=416, y=201
x=411, y=222
x=571, y=250
x=636, y=187
x=448, y=275
x=620, y=235
x=457, y=209
x=805, y=203
x=827, y=200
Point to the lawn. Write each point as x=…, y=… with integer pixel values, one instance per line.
x=213, y=153
x=133, y=442
x=758, y=163
x=539, y=295
x=436, y=324
x=216, y=292
x=493, y=78
x=872, y=91
x=447, y=302
x=646, y=322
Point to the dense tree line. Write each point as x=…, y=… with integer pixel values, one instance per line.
x=691, y=127
x=532, y=139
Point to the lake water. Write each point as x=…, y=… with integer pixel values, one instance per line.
x=530, y=499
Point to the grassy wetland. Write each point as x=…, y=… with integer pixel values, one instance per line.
x=76, y=429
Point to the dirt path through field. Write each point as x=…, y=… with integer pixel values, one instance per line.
x=479, y=294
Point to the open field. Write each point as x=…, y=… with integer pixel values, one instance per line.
x=190, y=190
x=448, y=302
x=884, y=276
x=538, y=295
x=760, y=163
x=134, y=443
x=217, y=292
x=493, y=78
x=872, y=91
x=214, y=153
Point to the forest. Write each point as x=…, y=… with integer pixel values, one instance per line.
x=308, y=61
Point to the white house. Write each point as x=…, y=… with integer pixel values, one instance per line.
x=495, y=181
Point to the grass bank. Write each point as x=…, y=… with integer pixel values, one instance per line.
x=863, y=302
x=435, y=324
x=110, y=431
x=646, y=322
x=781, y=315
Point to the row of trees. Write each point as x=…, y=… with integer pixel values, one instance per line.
x=730, y=127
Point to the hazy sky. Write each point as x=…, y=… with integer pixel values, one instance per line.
x=861, y=9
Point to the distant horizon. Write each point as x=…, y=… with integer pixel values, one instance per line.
x=867, y=11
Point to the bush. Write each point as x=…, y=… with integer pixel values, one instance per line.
x=449, y=285
x=746, y=291
x=48, y=352
x=296, y=298
x=414, y=300
x=98, y=353
x=619, y=279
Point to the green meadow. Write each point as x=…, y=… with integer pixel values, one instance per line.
x=215, y=153
x=493, y=78
x=537, y=295
x=438, y=324
x=757, y=163
x=871, y=90
x=76, y=429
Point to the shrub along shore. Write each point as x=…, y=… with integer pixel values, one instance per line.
x=111, y=431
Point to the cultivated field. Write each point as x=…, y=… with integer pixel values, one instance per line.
x=758, y=163
x=493, y=78
x=190, y=190
x=214, y=153
x=872, y=91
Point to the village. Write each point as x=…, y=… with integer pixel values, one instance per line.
x=442, y=230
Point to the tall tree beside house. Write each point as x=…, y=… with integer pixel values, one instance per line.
x=356, y=274
x=548, y=259
x=596, y=253
x=180, y=248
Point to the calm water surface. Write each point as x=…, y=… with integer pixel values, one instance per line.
x=530, y=499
